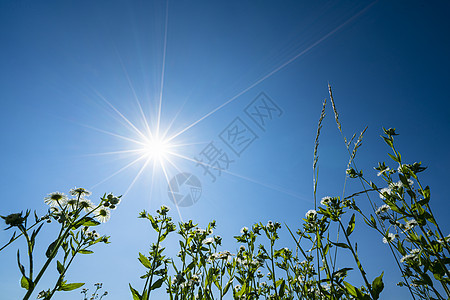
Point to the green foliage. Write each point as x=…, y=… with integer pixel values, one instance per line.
x=74, y=217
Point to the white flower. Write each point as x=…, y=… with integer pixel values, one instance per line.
x=311, y=214
x=72, y=203
x=86, y=204
x=325, y=200
x=414, y=251
x=383, y=191
x=200, y=231
x=79, y=192
x=270, y=225
x=394, y=185
x=224, y=254
x=208, y=241
x=55, y=199
x=406, y=257
x=103, y=214
x=244, y=230
x=390, y=237
x=382, y=209
x=413, y=255
x=410, y=224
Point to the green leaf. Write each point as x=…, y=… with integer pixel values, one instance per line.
x=84, y=251
x=388, y=141
x=403, y=179
x=394, y=158
x=342, y=245
x=144, y=261
x=59, y=267
x=157, y=284
x=70, y=286
x=342, y=272
x=227, y=287
x=21, y=267
x=351, y=225
x=282, y=287
x=136, y=295
x=88, y=221
x=24, y=283
x=50, y=249
x=350, y=289
x=145, y=295
x=377, y=286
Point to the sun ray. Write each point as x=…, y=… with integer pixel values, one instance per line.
x=135, y=97
x=269, y=186
x=121, y=115
x=114, y=152
x=277, y=69
x=137, y=176
x=113, y=134
x=175, y=117
x=163, y=69
x=117, y=172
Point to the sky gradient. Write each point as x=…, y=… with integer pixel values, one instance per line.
x=68, y=68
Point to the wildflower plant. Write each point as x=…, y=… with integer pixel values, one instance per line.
x=259, y=268
x=96, y=295
x=75, y=217
x=407, y=223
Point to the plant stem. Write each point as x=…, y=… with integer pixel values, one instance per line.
x=355, y=256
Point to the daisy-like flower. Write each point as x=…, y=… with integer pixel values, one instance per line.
x=103, y=215
x=79, y=192
x=270, y=225
x=208, y=241
x=415, y=251
x=411, y=223
x=244, y=230
x=406, y=257
x=382, y=209
x=413, y=255
x=225, y=254
x=72, y=203
x=86, y=204
x=311, y=214
x=384, y=191
x=389, y=238
x=395, y=185
x=325, y=201
x=55, y=199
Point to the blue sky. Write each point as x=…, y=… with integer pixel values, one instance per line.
x=387, y=62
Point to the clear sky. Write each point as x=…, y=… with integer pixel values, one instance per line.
x=71, y=71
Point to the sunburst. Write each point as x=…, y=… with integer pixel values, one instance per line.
x=154, y=147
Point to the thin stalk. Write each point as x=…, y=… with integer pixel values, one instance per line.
x=150, y=278
x=355, y=256
x=273, y=269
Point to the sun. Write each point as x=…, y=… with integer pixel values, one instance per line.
x=157, y=149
